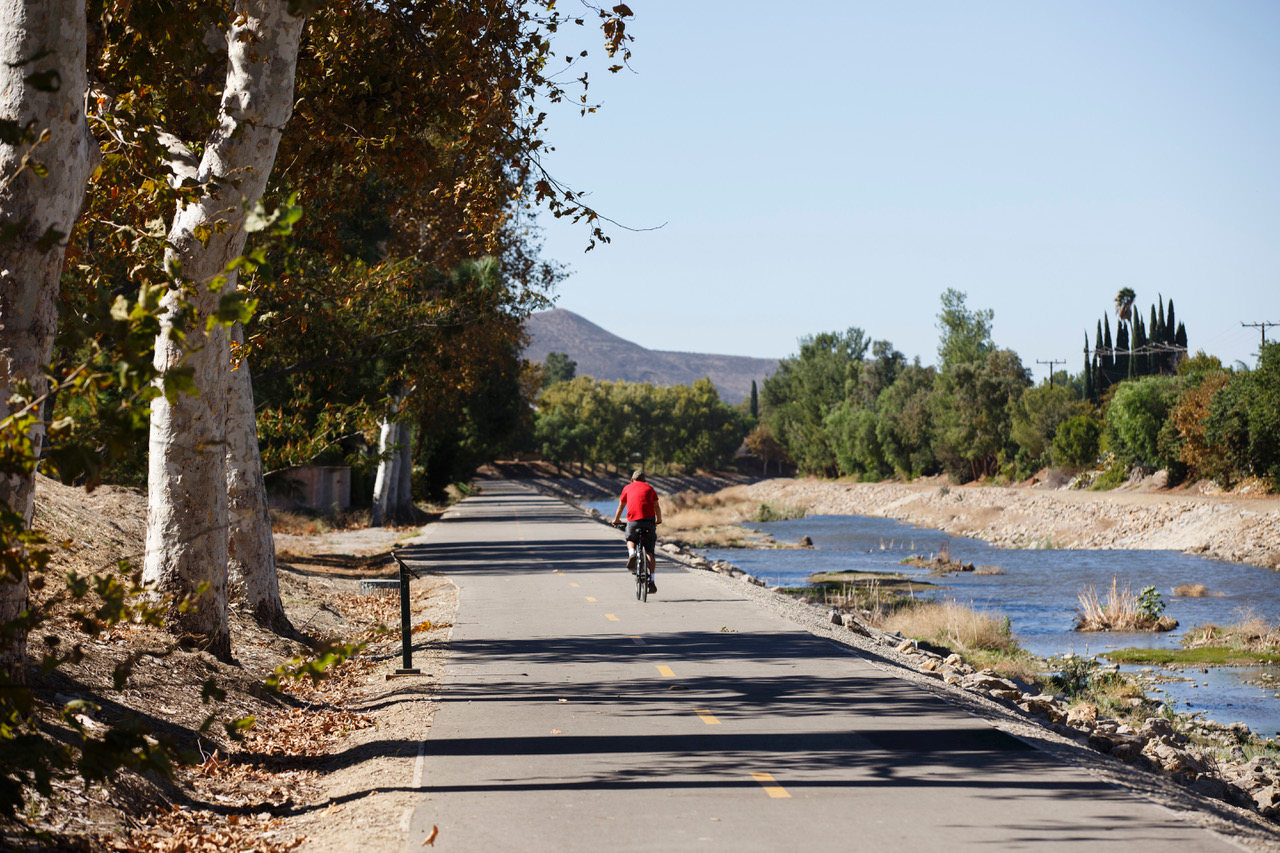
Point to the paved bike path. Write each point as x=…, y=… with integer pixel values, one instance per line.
x=574, y=718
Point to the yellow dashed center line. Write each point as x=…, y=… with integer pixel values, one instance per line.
x=589, y=598
x=777, y=792
x=707, y=717
x=637, y=640
x=572, y=584
x=665, y=671
x=611, y=617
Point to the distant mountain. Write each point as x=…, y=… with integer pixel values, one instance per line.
x=607, y=356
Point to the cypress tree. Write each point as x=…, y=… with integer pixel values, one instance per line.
x=1180, y=339
x=1090, y=389
x=755, y=402
x=1099, y=381
x=1170, y=326
x=1124, y=366
x=1108, y=353
x=1151, y=335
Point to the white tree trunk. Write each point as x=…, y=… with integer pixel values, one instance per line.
x=387, y=482
x=404, y=494
x=187, y=523
x=29, y=272
x=251, y=549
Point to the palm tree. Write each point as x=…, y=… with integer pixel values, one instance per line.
x=1124, y=303
x=1124, y=314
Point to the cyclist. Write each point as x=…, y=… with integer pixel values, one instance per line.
x=644, y=514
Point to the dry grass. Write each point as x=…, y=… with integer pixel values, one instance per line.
x=1120, y=612
x=312, y=524
x=1195, y=590
x=1251, y=634
x=954, y=625
x=712, y=520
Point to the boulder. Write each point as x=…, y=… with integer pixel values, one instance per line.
x=931, y=665
x=1267, y=797
x=1014, y=695
x=1157, y=727
x=953, y=659
x=851, y=622
x=1172, y=760
x=1083, y=716
x=1210, y=786
x=836, y=617
x=987, y=681
x=1240, y=731
x=1043, y=705
x=907, y=647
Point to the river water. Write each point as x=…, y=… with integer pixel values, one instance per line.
x=1037, y=590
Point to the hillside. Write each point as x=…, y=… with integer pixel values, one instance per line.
x=606, y=356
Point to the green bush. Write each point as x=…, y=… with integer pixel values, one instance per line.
x=1244, y=419
x=1139, y=409
x=1112, y=478
x=1077, y=442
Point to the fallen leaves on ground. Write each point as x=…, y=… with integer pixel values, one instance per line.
x=198, y=831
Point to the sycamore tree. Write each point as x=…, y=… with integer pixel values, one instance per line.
x=46, y=156
x=414, y=139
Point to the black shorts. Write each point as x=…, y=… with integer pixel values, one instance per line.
x=644, y=531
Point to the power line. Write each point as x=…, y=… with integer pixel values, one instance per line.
x=1051, y=362
x=1263, y=326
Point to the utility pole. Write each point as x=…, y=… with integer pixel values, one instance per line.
x=1263, y=326
x=1051, y=362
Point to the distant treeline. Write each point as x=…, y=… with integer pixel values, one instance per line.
x=848, y=406
x=625, y=425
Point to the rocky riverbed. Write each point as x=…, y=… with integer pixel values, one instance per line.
x=1233, y=528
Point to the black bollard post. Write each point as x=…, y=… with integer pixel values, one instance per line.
x=406, y=633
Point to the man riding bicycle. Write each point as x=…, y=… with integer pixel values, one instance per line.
x=644, y=514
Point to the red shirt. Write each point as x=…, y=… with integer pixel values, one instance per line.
x=640, y=500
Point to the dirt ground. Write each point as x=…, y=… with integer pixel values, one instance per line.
x=313, y=750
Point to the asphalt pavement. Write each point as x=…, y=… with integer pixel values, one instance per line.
x=575, y=718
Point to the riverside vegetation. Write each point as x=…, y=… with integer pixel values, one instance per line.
x=847, y=406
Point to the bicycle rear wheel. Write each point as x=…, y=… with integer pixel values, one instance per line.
x=642, y=582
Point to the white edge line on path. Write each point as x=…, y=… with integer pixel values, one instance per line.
x=420, y=763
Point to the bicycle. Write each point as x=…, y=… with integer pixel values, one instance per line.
x=643, y=576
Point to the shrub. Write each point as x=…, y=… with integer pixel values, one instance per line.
x=1076, y=443
x=1111, y=478
x=1139, y=410
x=1189, y=416
x=1244, y=420
x=1123, y=611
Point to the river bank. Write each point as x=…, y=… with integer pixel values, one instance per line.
x=1231, y=528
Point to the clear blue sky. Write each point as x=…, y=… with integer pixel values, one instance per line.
x=836, y=163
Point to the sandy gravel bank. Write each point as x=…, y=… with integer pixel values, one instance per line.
x=1226, y=528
